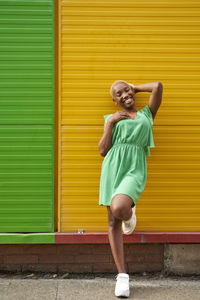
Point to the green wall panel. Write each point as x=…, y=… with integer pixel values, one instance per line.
x=27, y=238
x=27, y=116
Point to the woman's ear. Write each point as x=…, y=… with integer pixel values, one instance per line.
x=114, y=101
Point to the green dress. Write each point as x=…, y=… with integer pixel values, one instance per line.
x=124, y=169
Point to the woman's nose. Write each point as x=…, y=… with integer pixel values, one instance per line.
x=125, y=96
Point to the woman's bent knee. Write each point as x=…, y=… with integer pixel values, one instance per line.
x=120, y=206
x=119, y=211
x=116, y=212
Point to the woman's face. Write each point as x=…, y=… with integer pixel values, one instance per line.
x=124, y=95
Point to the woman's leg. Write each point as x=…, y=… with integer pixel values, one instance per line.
x=116, y=241
x=119, y=210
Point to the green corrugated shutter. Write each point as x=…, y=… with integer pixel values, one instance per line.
x=27, y=116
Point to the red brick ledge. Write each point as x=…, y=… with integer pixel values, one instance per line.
x=182, y=237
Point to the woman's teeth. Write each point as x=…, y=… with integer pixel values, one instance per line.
x=128, y=100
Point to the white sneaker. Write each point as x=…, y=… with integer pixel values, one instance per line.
x=122, y=285
x=129, y=225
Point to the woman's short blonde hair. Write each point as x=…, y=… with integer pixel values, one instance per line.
x=115, y=83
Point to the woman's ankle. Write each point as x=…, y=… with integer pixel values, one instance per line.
x=122, y=271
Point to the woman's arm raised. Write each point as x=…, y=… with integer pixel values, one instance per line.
x=146, y=87
x=156, y=89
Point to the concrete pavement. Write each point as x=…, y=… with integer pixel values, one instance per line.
x=99, y=288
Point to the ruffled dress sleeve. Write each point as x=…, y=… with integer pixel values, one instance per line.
x=150, y=142
x=106, y=117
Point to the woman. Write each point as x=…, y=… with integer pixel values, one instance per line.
x=125, y=143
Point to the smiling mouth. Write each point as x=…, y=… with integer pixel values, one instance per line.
x=129, y=100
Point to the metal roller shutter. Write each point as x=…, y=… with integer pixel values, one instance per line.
x=27, y=116
x=102, y=41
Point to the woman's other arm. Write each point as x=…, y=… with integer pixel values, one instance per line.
x=146, y=87
x=156, y=89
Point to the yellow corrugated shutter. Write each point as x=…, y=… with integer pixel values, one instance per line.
x=102, y=41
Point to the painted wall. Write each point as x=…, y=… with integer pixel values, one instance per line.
x=27, y=116
x=96, y=44
x=139, y=42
